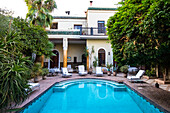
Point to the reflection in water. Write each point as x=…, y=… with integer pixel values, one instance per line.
x=102, y=90
x=117, y=95
x=81, y=85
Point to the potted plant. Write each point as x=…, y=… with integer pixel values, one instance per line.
x=109, y=69
x=90, y=53
x=124, y=69
x=95, y=63
x=44, y=73
x=36, y=71
x=115, y=68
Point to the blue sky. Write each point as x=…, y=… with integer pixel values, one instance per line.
x=77, y=7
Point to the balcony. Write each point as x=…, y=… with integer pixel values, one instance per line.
x=63, y=32
x=93, y=31
x=89, y=31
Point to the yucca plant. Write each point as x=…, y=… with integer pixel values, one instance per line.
x=13, y=69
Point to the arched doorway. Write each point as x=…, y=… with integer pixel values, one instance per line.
x=54, y=60
x=84, y=59
x=101, y=57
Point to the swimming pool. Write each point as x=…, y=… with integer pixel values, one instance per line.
x=90, y=96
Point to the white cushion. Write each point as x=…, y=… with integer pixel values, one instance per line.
x=138, y=75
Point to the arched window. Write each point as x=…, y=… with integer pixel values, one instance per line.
x=101, y=57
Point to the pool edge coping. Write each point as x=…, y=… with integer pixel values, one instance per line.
x=133, y=89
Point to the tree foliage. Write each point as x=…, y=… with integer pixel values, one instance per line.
x=14, y=70
x=34, y=39
x=38, y=11
x=18, y=40
x=139, y=32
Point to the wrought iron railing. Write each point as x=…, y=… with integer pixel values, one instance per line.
x=81, y=31
x=92, y=31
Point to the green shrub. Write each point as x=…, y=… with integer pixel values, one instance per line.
x=95, y=61
x=124, y=69
x=151, y=72
x=109, y=66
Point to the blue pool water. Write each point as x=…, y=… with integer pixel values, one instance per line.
x=90, y=96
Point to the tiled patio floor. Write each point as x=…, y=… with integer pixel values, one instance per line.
x=161, y=98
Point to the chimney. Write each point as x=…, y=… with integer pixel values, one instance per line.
x=91, y=2
x=67, y=12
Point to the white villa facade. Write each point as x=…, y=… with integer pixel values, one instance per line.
x=71, y=35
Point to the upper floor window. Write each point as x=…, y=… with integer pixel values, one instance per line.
x=54, y=26
x=77, y=26
x=101, y=28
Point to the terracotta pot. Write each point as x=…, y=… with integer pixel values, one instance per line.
x=109, y=73
x=114, y=73
x=125, y=75
x=35, y=79
x=90, y=71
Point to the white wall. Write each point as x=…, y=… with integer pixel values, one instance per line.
x=98, y=15
x=101, y=44
x=68, y=24
x=74, y=50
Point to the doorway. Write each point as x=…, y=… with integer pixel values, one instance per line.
x=54, y=60
x=101, y=57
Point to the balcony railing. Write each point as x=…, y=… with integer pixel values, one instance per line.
x=63, y=32
x=92, y=31
x=81, y=31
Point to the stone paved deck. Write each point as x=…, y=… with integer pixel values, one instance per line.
x=160, y=98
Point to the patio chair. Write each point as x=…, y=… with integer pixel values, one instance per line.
x=69, y=68
x=65, y=72
x=137, y=77
x=99, y=71
x=82, y=70
x=34, y=86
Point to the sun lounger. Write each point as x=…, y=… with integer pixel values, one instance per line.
x=82, y=70
x=65, y=73
x=69, y=69
x=34, y=86
x=137, y=77
x=99, y=71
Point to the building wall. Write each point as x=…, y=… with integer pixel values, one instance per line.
x=98, y=15
x=68, y=24
x=100, y=44
x=74, y=50
x=59, y=48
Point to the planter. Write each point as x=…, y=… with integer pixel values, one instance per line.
x=43, y=77
x=109, y=73
x=90, y=71
x=149, y=77
x=35, y=79
x=125, y=75
x=114, y=73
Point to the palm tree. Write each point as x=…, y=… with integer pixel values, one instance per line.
x=39, y=12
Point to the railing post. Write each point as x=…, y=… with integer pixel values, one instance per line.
x=80, y=30
x=91, y=31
